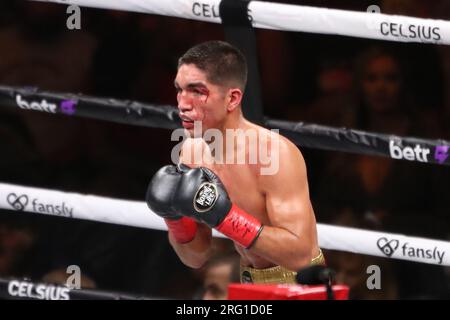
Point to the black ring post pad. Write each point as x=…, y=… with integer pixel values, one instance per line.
x=235, y=13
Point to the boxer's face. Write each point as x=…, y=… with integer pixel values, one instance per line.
x=199, y=100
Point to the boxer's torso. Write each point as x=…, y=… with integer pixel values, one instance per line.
x=243, y=184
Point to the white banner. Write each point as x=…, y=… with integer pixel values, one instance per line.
x=205, y=10
x=382, y=244
x=137, y=214
x=286, y=17
x=73, y=205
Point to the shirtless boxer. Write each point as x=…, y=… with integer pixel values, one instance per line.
x=268, y=216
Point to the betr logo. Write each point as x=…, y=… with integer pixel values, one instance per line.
x=408, y=153
x=441, y=154
x=43, y=106
x=68, y=107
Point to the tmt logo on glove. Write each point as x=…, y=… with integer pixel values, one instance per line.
x=206, y=197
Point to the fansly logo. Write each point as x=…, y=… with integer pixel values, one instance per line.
x=390, y=246
x=417, y=153
x=25, y=289
x=20, y=202
x=206, y=197
x=386, y=246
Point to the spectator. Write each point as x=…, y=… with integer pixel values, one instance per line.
x=219, y=272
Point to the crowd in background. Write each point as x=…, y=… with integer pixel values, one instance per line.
x=376, y=86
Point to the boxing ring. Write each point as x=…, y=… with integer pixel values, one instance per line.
x=263, y=15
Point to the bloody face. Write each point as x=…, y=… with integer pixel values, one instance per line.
x=198, y=99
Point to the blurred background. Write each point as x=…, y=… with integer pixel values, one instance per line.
x=371, y=85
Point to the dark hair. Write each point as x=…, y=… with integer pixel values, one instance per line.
x=222, y=63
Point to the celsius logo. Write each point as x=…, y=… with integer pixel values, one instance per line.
x=411, y=31
x=25, y=289
x=441, y=154
x=67, y=106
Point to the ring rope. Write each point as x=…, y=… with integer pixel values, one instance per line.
x=24, y=289
x=303, y=134
x=137, y=214
x=286, y=17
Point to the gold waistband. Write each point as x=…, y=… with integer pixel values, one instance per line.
x=274, y=275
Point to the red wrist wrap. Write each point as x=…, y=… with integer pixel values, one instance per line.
x=240, y=227
x=183, y=230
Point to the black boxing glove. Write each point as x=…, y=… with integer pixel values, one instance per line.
x=202, y=196
x=159, y=199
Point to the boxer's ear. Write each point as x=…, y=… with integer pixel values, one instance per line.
x=234, y=99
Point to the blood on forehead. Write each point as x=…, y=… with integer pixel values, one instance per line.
x=200, y=87
x=197, y=92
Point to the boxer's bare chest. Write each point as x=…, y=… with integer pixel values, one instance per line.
x=242, y=186
x=241, y=183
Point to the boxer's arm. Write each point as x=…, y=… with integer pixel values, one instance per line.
x=195, y=253
x=290, y=239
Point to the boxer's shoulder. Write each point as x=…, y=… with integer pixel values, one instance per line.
x=290, y=169
x=275, y=140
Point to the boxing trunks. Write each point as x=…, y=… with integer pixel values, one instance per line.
x=274, y=275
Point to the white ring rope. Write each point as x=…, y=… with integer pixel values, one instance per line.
x=277, y=16
x=136, y=214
